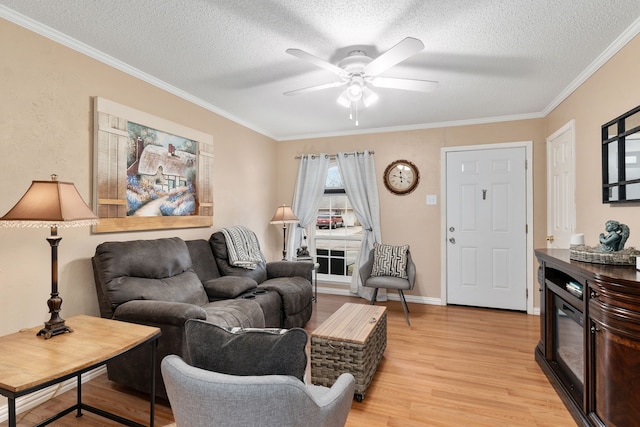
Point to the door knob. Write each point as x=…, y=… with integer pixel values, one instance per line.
x=452, y=240
x=550, y=238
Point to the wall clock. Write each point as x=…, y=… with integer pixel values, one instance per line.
x=401, y=177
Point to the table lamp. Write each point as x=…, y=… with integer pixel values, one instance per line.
x=56, y=205
x=284, y=215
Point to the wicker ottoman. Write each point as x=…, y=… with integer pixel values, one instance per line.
x=352, y=340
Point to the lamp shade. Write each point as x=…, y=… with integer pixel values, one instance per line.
x=284, y=215
x=50, y=204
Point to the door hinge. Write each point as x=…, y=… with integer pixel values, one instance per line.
x=526, y=293
x=526, y=228
x=526, y=164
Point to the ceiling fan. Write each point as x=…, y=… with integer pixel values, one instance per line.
x=359, y=73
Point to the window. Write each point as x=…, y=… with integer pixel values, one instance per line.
x=337, y=234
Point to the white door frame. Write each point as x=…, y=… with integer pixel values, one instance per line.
x=528, y=145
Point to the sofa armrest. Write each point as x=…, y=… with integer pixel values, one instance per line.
x=227, y=287
x=290, y=269
x=158, y=312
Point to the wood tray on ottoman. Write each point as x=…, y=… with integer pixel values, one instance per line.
x=352, y=340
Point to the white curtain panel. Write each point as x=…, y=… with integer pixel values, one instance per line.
x=359, y=177
x=312, y=175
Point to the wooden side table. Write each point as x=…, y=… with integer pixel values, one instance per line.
x=29, y=363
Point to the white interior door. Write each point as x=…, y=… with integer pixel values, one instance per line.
x=561, y=200
x=486, y=228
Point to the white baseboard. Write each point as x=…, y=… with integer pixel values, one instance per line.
x=393, y=296
x=30, y=401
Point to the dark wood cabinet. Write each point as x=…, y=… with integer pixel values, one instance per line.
x=590, y=337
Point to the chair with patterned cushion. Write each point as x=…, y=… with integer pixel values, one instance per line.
x=389, y=267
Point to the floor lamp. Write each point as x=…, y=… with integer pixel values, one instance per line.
x=284, y=215
x=56, y=205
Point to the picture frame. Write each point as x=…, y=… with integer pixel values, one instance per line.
x=149, y=173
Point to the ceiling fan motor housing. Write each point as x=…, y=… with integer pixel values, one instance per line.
x=354, y=62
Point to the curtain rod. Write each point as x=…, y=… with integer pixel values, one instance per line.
x=333, y=156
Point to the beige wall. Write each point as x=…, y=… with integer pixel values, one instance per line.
x=610, y=92
x=46, y=127
x=613, y=90
x=408, y=219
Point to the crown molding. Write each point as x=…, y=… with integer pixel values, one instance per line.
x=602, y=59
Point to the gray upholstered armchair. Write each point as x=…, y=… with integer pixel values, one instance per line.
x=254, y=378
x=201, y=398
x=389, y=282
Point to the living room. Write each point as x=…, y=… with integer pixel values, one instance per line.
x=46, y=122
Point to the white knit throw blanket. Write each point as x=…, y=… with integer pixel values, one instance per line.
x=242, y=247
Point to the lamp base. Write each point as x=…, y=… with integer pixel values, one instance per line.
x=55, y=325
x=53, y=329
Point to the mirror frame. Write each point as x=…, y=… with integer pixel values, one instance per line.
x=618, y=131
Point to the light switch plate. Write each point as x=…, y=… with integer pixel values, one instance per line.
x=432, y=199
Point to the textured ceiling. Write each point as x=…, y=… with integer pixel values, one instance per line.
x=494, y=59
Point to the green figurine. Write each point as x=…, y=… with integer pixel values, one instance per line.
x=616, y=237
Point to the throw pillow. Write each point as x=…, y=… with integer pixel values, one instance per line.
x=247, y=351
x=390, y=260
x=228, y=286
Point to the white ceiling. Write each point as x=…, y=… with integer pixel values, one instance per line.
x=494, y=59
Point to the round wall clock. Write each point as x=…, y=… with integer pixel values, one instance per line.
x=401, y=177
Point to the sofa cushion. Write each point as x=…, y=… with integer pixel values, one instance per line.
x=228, y=286
x=157, y=269
x=153, y=259
x=389, y=260
x=202, y=260
x=230, y=313
x=247, y=352
x=219, y=250
x=185, y=287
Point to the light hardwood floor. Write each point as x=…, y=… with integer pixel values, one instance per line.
x=455, y=366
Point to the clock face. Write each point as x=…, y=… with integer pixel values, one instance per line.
x=401, y=177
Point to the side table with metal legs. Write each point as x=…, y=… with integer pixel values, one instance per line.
x=316, y=266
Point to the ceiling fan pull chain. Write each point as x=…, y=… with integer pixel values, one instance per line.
x=357, y=123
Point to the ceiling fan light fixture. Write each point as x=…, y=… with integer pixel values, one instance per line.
x=355, y=89
x=369, y=97
x=344, y=100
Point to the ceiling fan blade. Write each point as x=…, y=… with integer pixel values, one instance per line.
x=316, y=61
x=315, y=88
x=404, y=84
x=403, y=50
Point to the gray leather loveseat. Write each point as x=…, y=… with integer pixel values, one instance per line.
x=165, y=282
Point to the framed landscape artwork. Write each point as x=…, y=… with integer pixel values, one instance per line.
x=150, y=173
